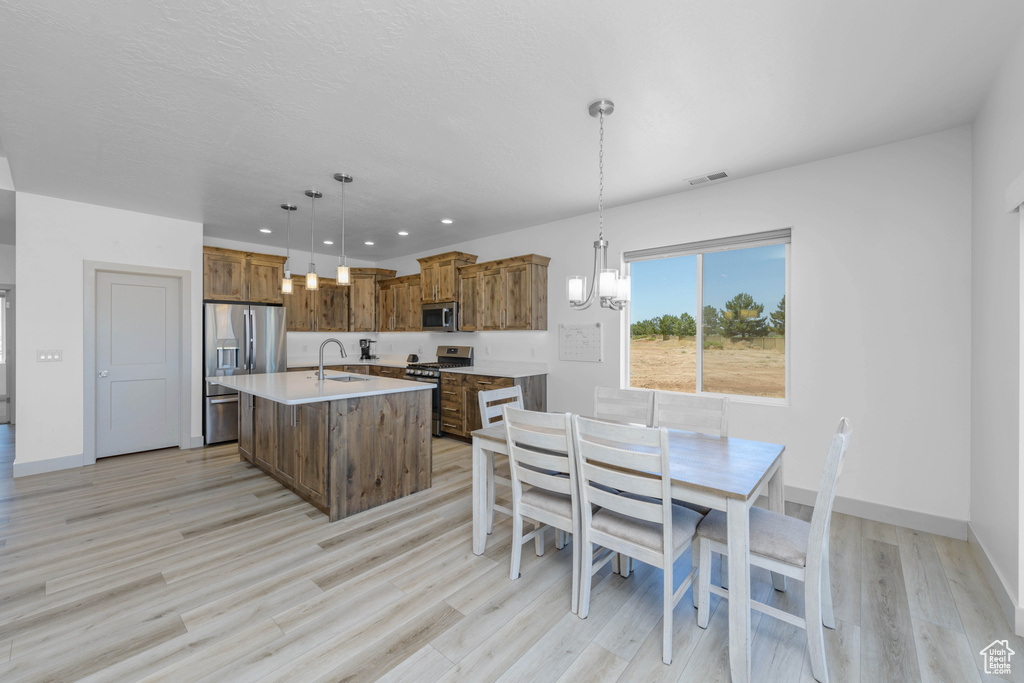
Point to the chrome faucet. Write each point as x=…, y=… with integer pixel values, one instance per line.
x=320, y=372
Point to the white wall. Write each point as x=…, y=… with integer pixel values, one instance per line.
x=7, y=252
x=880, y=263
x=995, y=318
x=55, y=237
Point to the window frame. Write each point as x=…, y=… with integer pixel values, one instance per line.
x=699, y=249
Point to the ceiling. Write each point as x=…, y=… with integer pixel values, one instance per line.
x=219, y=111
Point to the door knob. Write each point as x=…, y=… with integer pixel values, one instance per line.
x=104, y=373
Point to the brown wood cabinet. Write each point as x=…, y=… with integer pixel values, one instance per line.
x=325, y=309
x=452, y=421
x=439, y=275
x=363, y=298
x=460, y=404
x=470, y=295
x=290, y=443
x=302, y=454
x=230, y=275
x=245, y=433
x=398, y=305
x=265, y=434
x=507, y=294
x=387, y=371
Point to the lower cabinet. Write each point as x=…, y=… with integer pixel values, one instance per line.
x=290, y=443
x=387, y=371
x=245, y=433
x=460, y=398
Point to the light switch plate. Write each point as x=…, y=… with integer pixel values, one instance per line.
x=50, y=356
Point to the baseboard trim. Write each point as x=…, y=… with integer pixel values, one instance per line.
x=1014, y=613
x=196, y=442
x=27, y=469
x=876, y=512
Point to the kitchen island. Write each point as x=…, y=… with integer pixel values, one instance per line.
x=346, y=444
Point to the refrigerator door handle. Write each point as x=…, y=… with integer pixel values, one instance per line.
x=252, y=339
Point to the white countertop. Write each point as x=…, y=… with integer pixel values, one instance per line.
x=346, y=361
x=292, y=388
x=489, y=371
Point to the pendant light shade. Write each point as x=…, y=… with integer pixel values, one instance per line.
x=605, y=286
x=311, y=278
x=344, y=273
x=286, y=281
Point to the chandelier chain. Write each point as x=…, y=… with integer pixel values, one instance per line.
x=600, y=179
x=343, y=259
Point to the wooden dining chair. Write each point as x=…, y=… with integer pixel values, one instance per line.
x=540, y=456
x=704, y=414
x=624, y=405
x=787, y=546
x=624, y=470
x=491, y=404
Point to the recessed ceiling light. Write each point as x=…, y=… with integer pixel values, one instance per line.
x=328, y=242
x=403, y=233
x=369, y=244
x=266, y=230
x=446, y=221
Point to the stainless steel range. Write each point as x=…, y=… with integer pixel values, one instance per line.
x=447, y=357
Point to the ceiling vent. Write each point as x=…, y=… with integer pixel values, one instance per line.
x=701, y=179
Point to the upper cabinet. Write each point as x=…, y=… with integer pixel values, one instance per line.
x=507, y=294
x=324, y=309
x=363, y=298
x=398, y=305
x=230, y=275
x=439, y=275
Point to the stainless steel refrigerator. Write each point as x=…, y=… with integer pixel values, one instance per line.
x=238, y=339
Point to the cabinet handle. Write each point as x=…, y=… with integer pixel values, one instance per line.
x=453, y=393
x=480, y=381
x=452, y=426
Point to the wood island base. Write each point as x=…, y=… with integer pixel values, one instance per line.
x=345, y=455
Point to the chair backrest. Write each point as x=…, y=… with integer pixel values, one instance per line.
x=624, y=405
x=491, y=403
x=630, y=459
x=540, y=451
x=821, y=518
x=704, y=414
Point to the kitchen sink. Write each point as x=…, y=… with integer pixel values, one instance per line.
x=347, y=378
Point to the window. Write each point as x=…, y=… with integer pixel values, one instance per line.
x=711, y=316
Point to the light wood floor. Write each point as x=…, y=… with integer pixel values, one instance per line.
x=189, y=565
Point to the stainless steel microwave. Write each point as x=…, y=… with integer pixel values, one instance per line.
x=442, y=317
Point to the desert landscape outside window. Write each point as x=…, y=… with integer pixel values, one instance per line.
x=711, y=317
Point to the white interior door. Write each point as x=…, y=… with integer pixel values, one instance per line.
x=137, y=356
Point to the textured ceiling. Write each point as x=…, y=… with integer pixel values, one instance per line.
x=218, y=111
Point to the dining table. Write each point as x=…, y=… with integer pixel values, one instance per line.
x=722, y=473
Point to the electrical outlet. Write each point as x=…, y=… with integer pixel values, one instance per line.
x=487, y=350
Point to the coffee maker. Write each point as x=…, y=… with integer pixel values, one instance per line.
x=366, y=349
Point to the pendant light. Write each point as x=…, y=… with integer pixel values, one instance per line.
x=311, y=280
x=286, y=281
x=344, y=272
x=605, y=284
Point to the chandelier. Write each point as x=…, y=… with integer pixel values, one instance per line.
x=605, y=283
